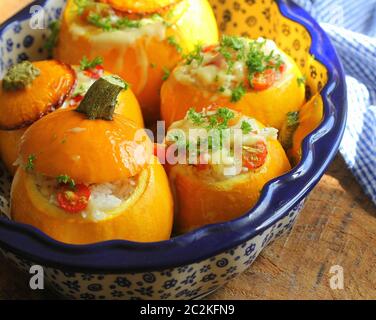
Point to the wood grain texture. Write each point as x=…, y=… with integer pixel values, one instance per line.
x=337, y=227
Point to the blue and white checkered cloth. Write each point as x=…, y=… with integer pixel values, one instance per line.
x=351, y=24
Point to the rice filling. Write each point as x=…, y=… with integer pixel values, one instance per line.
x=104, y=197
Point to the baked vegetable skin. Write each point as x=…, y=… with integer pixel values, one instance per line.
x=28, y=92
x=146, y=216
x=69, y=139
x=9, y=142
x=142, y=7
x=42, y=94
x=253, y=77
x=310, y=117
x=141, y=41
x=203, y=194
x=56, y=86
x=74, y=168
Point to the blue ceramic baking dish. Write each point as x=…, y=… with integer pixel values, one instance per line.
x=197, y=263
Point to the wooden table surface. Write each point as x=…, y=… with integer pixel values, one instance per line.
x=336, y=227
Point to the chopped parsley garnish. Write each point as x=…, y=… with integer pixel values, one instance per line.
x=227, y=54
x=292, y=118
x=302, y=81
x=195, y=117
x=218, y=120
x=223, y=115
x=125, y=23
x=30, y=162
x=107, y=23
x=153, y=65
x=172, y=41
x=82, y=5
x=53, y=38
x=237, y=93
x=232, y=42
x=195, y=55
x=252, y=54
x=258, y=61
x=246, y=127
x=86, y=64
x=65, y=179
x=79, y=91
x=288, y=129
x=166, y=74
x=214, y=121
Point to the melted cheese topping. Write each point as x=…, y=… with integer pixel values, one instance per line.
x=225, y=160
x=211, y=71
x=83, y=83
x=123, y=39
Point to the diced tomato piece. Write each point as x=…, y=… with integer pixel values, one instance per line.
x=263, y=81
x=75, y=199
x=256, y=158
x=84, y=16
x=282, y=68
x=209, y=48
x=77, y=99
x=95, y=73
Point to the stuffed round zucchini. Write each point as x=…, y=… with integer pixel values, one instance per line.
x=86, y=176
x=29, y=91
x=139, y=40
x=224, y=177
x=251, y=76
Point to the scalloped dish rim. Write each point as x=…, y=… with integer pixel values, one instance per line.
x=278, y=196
